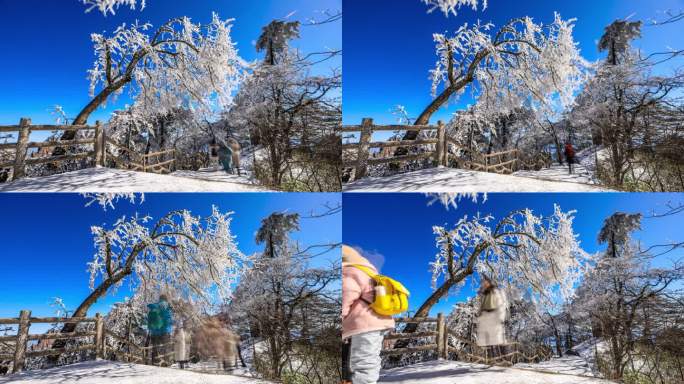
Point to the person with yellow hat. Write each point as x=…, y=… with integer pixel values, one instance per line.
x=363, y=328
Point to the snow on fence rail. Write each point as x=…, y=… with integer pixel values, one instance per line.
x=125, y=158
x=363, y=156
x=21, y=339
x=440, y=335
x=506, y=354
x=22, y=145
x=447, y=152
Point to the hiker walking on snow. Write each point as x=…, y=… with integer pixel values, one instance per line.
x=493, y=314
x=159, y=323
x=225, y=155
x=362, y=327
x=235, y=150
x=181, y=339
x=569, y=156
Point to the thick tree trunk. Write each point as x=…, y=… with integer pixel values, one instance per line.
x=82, y=117
x=82, y=309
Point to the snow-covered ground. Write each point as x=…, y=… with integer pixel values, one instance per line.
x=107, y=372
x=569, y=364
x=559, y=172
x=460, y=180
x=455, y=372
x=583, y=363
x=118, y=180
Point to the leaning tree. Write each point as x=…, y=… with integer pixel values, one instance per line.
x=535, y=256
x=180, y=64
x=523, y=63
x=194, y=258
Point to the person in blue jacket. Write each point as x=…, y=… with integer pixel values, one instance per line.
x=159, y=325
x=225, y=155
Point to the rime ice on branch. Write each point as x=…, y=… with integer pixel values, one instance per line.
x=452, y=6
x=110, y=6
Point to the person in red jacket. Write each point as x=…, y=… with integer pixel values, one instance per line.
x=569, y=156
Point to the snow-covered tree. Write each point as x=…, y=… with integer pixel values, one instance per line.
x=523, y=63
x=631, y=107
x=185, y=256
x=292, y=114
x=180, y=64
x=532, y=256
x=618, y=293
x=289, y=306
x=275, y=37
x=617, y=39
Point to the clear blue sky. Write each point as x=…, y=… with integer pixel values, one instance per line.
x=46, y=48
x=389, y=47
x=396, y=229
x=46, y=239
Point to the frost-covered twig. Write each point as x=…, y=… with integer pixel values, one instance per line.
x=452, y=6
x=107, y=199
x=451, y=199
x=110, y=6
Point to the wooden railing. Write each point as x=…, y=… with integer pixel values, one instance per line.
x=446, y=152
x=23, y=337
x=362, y=149
x=155, y=162
x=503, y=162
x=505, y=354
x=136, y=353
x=439, y=334
x=22, y=146
x=105, y=343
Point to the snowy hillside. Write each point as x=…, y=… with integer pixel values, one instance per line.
x=461, y=180
x=454, y=372
x=105, y=372
x=118, y=180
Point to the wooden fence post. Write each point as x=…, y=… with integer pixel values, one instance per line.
x=99, y=144
x=441, y=337
x=363, y=154
x=99, y=336
x=440, y=153
x=22, y=148
x=22, y=338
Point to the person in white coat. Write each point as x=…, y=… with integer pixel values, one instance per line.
x=181, y=344
x=493, y=314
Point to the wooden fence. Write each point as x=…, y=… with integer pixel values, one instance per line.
x=362, y=148
x=22, y=146
x=446, y=151
x=157, y=162
x=505, y=354
x=439, y=334
x=23, y=337
x=105, y=344
x=135, y=353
